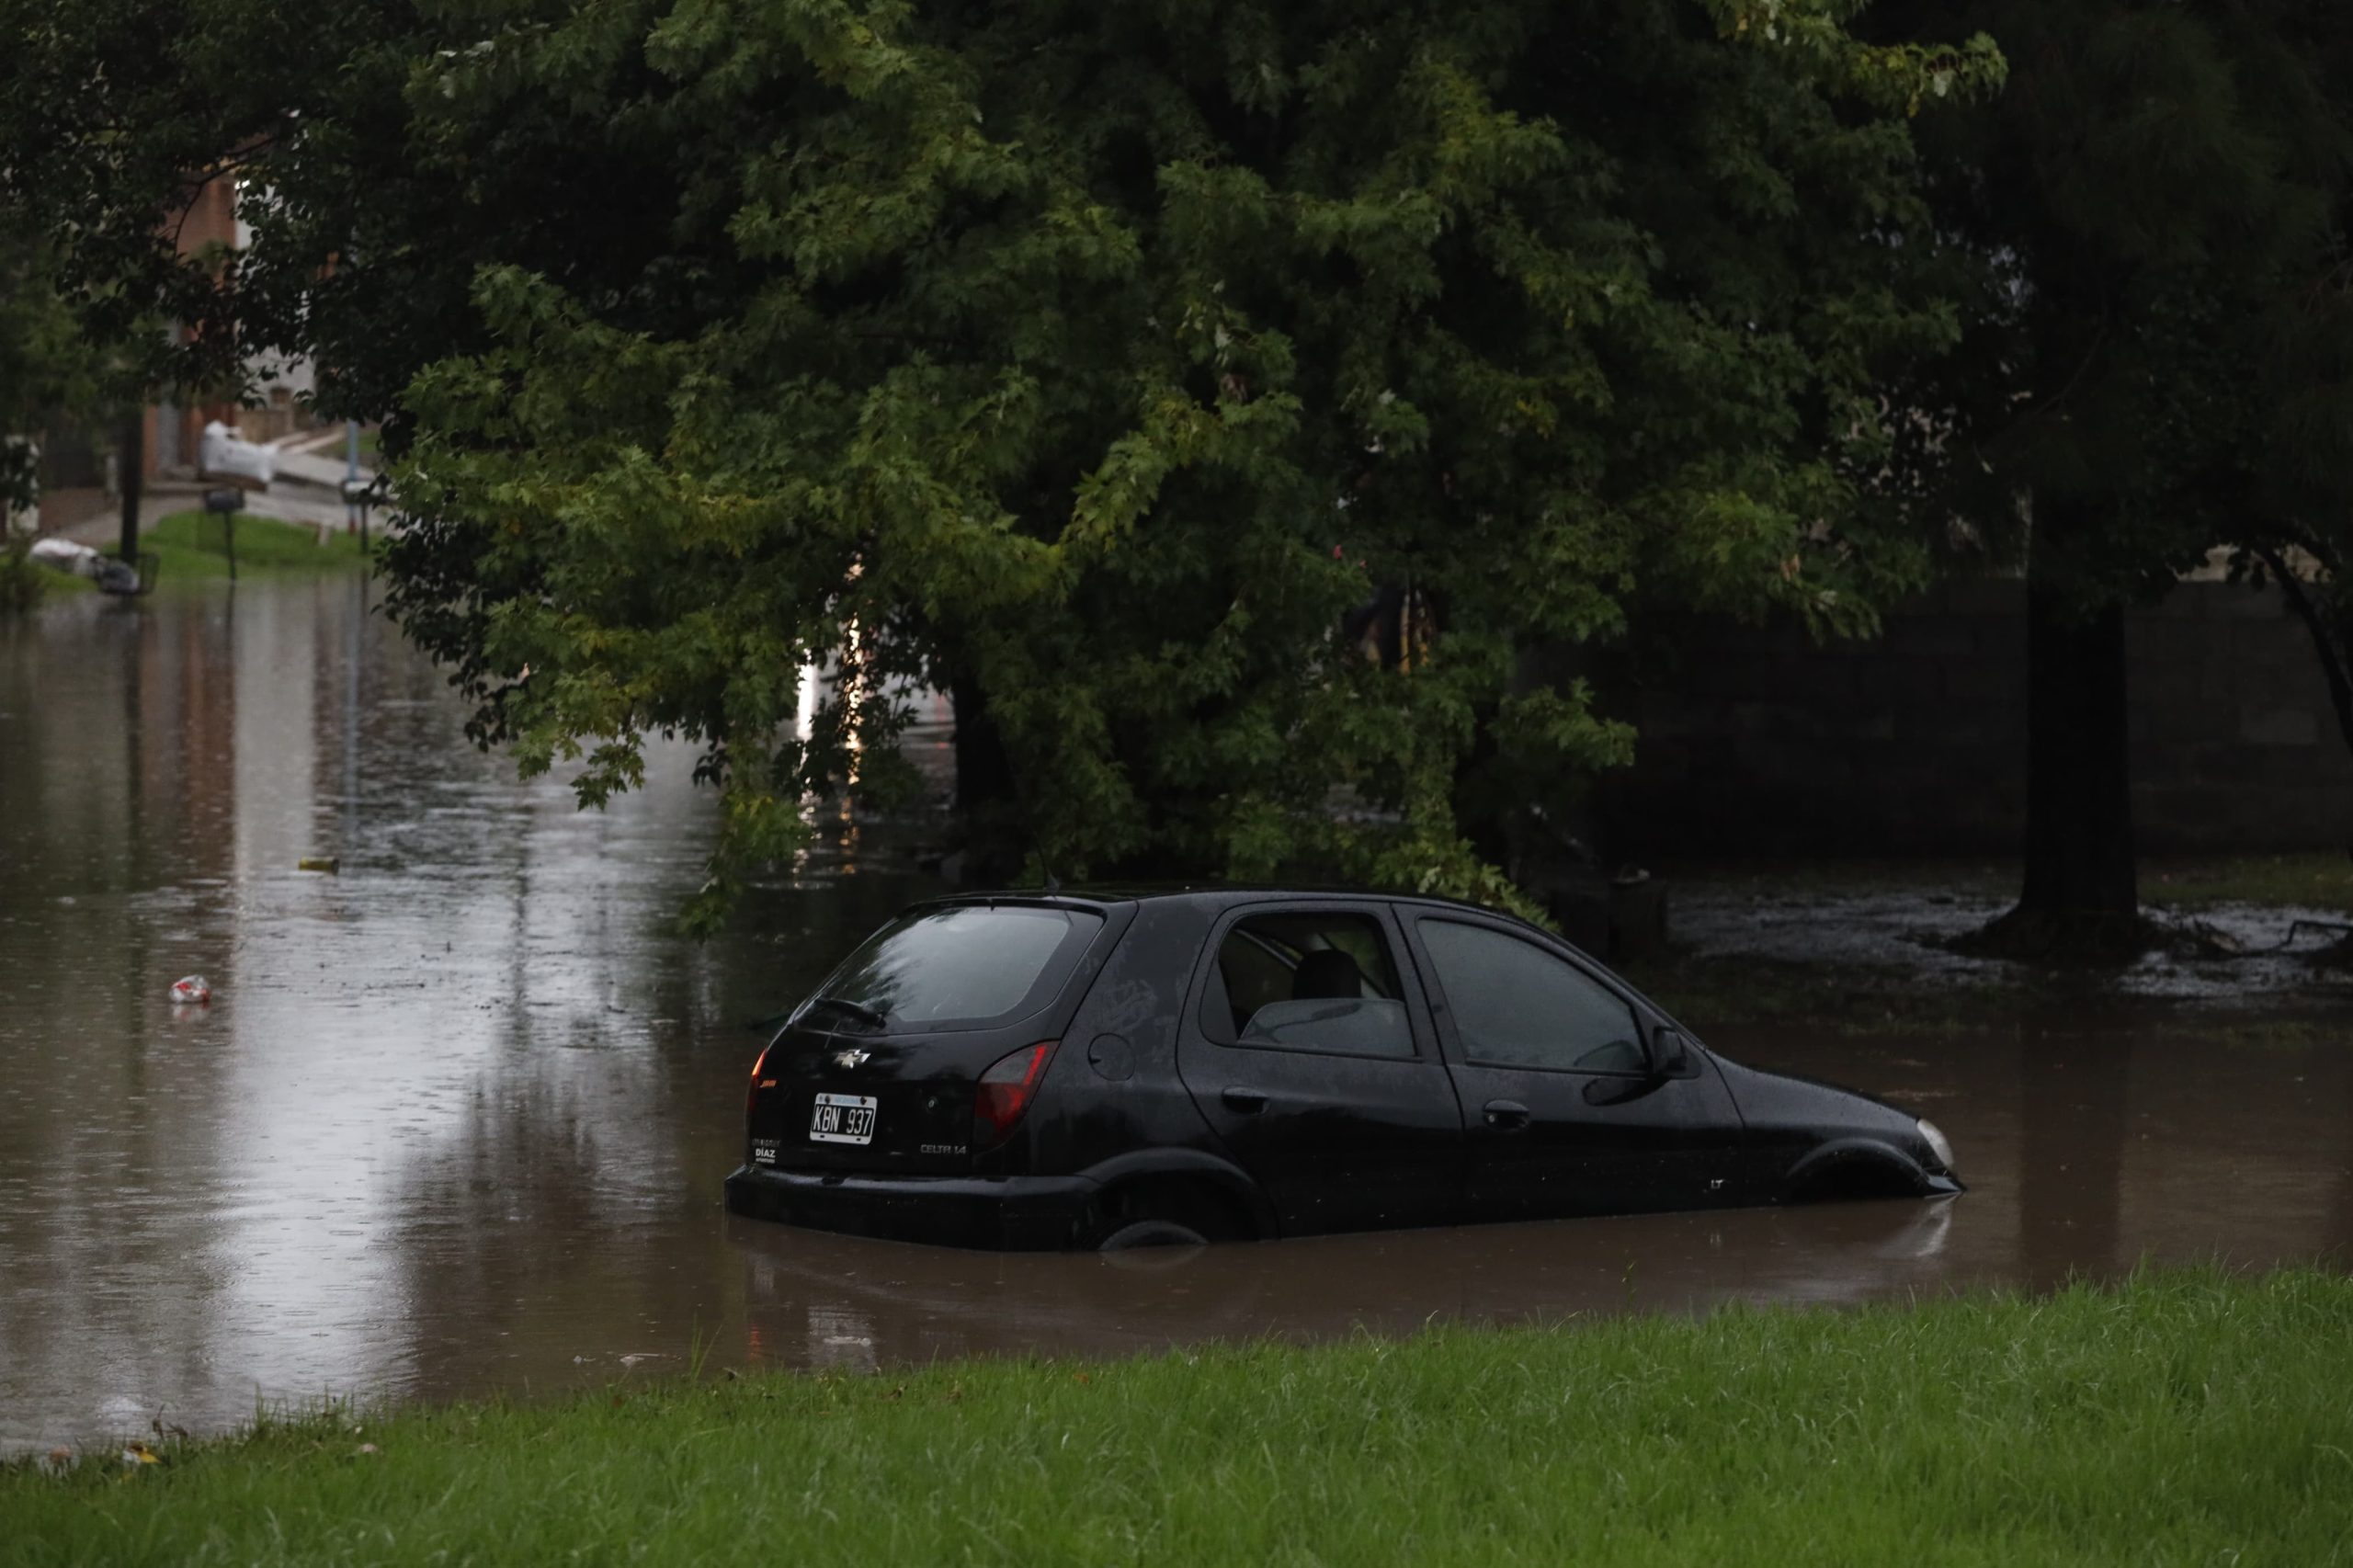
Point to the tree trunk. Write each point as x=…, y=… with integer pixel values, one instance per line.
x=2081, y=893
x=2330, y=629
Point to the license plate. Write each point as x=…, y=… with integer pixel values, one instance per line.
x=842, y=1119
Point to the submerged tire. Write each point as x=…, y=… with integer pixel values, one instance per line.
x=1853, y=1178
x=1138, y=1233
x=1160, y=1212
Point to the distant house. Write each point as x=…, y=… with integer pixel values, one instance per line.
x=78, y=475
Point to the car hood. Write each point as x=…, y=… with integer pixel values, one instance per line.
x=1769, y=1097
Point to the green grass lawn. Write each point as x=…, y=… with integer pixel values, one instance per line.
x=24, y=582
x=194, y=545
x=2181, y=1418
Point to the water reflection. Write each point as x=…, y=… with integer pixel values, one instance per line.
x=913, y=1304
x=2072, y=1116
x=458, y=1117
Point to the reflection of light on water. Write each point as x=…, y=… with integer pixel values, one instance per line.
x=287, y=1191
x=1925, y=1236
x=841, y=1338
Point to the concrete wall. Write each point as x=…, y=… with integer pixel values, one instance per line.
x=1758, y=741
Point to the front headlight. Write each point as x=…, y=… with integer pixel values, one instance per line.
x=1938, y=1145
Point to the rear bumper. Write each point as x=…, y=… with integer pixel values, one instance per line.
x=1015, y=1213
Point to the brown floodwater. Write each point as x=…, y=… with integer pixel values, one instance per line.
x=456, y=1118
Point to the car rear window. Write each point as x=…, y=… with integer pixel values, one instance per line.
x=967, y=965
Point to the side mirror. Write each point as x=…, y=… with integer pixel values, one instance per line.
x=1670, y=1054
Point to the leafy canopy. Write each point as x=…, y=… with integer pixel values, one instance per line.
x=1095, y=359
x=2158, y=324
x=46, y=369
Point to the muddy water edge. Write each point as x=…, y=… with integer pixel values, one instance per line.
x=456, y=1120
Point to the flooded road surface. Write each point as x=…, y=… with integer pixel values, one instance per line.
x=457, y=1119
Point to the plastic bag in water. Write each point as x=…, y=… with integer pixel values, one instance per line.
x=191, y=988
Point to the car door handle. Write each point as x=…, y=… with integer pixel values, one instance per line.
x=1509, y=1116
x=1244, y=1099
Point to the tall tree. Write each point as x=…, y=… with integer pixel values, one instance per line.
x=1088, y=361
x=2147, y=208
x=46, y=369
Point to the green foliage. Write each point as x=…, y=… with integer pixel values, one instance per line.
x=24, y=582
x=2155, y=341
x=44, y=368
x=2193, y=1417
x=1094, y=360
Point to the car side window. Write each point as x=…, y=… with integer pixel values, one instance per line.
x=1514, y=1005
x=1307, y=980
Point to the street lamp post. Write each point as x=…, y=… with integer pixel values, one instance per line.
x=358, y=495
x=223, y=504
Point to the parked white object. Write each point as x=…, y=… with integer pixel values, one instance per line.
x=66, y=556
x=221, y=455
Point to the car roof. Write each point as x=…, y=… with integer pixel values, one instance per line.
x=1205, y=895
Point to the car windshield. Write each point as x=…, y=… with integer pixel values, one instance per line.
x=967, y=964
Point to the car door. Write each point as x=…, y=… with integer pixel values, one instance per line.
x=1564, y=1112
x=1307, y=1045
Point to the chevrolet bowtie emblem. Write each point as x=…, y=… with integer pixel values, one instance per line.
x=850, y=1058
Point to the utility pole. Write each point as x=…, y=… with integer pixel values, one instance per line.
x=128, y=464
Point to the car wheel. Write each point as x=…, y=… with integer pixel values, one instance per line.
x=1151, y=1234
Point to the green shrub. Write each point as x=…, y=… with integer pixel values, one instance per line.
x=23, y=580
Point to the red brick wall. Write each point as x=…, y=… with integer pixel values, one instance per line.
x=210, y=219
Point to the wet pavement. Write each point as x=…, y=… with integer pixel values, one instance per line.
x=456, y=1118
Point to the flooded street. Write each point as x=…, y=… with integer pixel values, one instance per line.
x=456, y=1118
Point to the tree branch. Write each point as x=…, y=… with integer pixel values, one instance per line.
x=2325, y=641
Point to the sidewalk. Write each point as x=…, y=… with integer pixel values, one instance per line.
x=290, y=503
x=317, y=459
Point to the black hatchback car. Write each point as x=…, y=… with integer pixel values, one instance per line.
x=1111, y=1069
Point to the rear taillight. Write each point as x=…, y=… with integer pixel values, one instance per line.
x=1005, y=1092
x=752, y=1094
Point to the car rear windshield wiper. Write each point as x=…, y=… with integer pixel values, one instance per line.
x=858, y=1010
